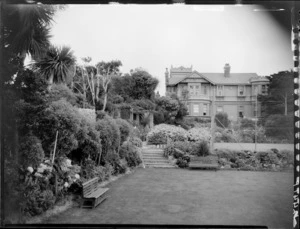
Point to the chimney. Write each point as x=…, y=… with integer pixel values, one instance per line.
x=227, y=70
x=167, y=76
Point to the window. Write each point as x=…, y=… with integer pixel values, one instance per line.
x=255, y=90
x=205, y=90
x=241, y=90
x=219, y=90
x=204, y=109
x=196, y=108
x=195, y=89
x=219, y=109
x=241, y=111
x=264, y=89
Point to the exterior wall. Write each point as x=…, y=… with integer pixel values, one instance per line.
x=231, y=100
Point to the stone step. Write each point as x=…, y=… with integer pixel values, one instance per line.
x=151, y=150
x=159, y=166
x=155, y=161
x=153, y=157
x=154, y=154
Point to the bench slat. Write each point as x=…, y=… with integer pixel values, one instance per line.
x=98, y=193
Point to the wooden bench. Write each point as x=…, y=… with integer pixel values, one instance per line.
x=208, y=162
x=92, y=194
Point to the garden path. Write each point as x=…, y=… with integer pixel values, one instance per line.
x=192, y=197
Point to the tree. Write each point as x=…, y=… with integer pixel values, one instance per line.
x=279, y=99
x=26, y=28
x=58, y=65
x=105, y=72
x=221, y=119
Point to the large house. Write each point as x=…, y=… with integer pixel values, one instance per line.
x=208, y=93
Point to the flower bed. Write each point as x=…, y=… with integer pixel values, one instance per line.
x=272, y=160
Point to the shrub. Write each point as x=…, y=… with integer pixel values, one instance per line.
x=114, y=159
x=280, y=127
x=59, y=116
x=287, y=155
x=203, y=149
x=247, y=123
x=160, y=133
x=109, y=134
x=59, y=91
x=131, y=154
x=182, y=163
x=89, y=141
x=133, y=158
x=32, y=153
x=199, y=134
x=136, y=141
x=125, y=129
x=35, y=201
x=222, y=120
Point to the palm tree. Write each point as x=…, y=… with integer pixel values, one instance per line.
x=26, y=28
x=57, y=66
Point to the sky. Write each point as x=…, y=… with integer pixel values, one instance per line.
x=154, y=37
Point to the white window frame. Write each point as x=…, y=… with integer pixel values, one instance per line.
x=222, y=109
x=198, y=108
x=241, y=89
x=220, y=90
x=205, y=106
x=241, y=109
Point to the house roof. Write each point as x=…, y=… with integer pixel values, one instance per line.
x=217, y=78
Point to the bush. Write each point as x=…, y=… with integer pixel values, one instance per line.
x=125, y=129
x=89, y=142
x=136, y=141
x=247, y=124
x=222, y=120
x=182, y=163
x=280, y=127
x=131, y=154
x=59, y=116
x=199, y=134
x=59, y=91
x=133, y=158
x=35, y=201
x=32, y=153
x=203, y=149
x=114, y=159
x=160, y=133
x=109, y=134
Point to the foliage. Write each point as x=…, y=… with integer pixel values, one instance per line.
x=32, y=153
x=113, y=159
x=222, y=120
x=280, y=127
x=57, y=65
x=59, y=91
x=109, y=134
x=199, y=134
x=182, y=163
x=160, y=133
x=36, y=200
x=271, y=160
x=247, y=123
x=136, y=141
x=279, y=100
x=125, y=129
x=203, y=149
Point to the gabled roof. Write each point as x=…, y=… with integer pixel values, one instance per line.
x=217, y=78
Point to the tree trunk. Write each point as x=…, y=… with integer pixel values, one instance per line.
x=84, y=87
x=285, y=105
x=105, y=101
x=50, y=82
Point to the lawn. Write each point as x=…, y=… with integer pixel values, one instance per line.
x=251, y=146
x=177, y=196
